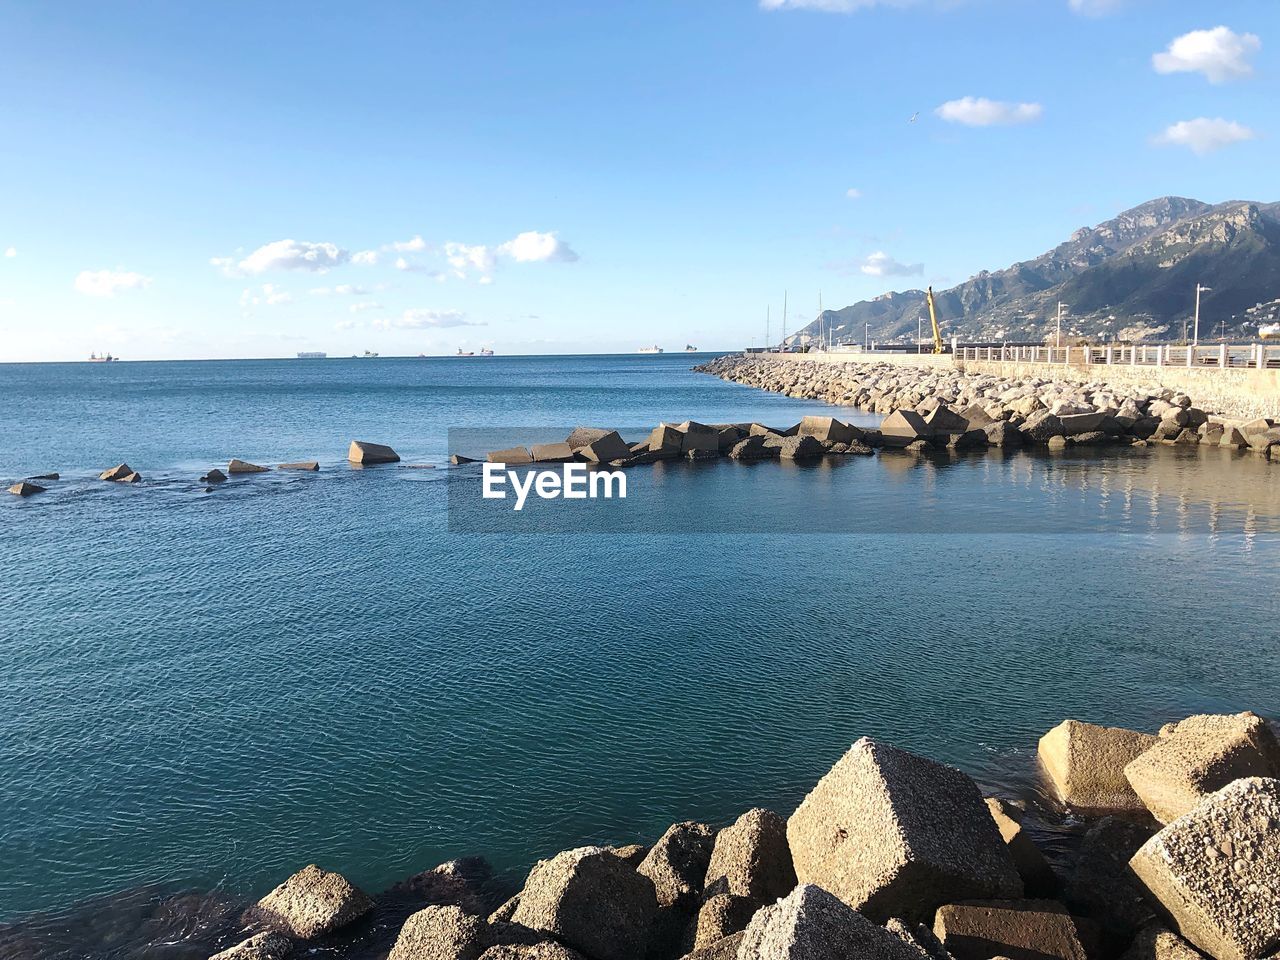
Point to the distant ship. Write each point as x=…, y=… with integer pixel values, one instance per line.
x=649, y=350
x=464, y=353
x=690, y=348
x=486, y=352
x=367, y=355
x=105, y=358
x=311, y=355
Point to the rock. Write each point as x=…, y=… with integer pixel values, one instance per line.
x=263, y=946
x=545, y=950
x=828, y=430
x=1260, y=442
x=1038, y=879
x=666, y=438
x=441, y=933
x=1200, y=756
x=725, y=949
x=609, y=447
x=1086, y=765
x=1041, y=426
x=1196, y=417
x=811, y=924
x=458, y=459
x=1057, y=443
x=512, y=456
x=698, y=436
x=754, y=448
x=1031, y=928
x=214, y=476
x=300, y=465
x=727, y=436
x=903, y=427
x=1081, y=422
x=1187, y=437
x=1177, y=417
x=1167, y=430
x=116, y=473
x=1216, y=871
x=1003, y=434
x=1211, y=433
x=632, y=853
x=1102, y=885
x=45, y=476
x=134, y=477
x=590, y=900
x=505, y=912
x=919, y=446
x=896, y=835
x=800, y=448
x=760, y=430
x=25, y=489
x=969, y=440
x=677, y=863
x=1231, y=437
x=976, y=417
x=943, y=420
x=459, y=883
x=722, y=915
x=1159, y=943
x=751, y=859
x=551, y=452
x=369, y=454
x=311, y=903
x=920, y=937
x=581, y=436
x=1094, y=438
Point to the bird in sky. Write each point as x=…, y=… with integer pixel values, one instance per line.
x=914, y=117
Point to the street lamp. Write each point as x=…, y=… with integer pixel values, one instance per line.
x=1199, y=290
x=866, y=345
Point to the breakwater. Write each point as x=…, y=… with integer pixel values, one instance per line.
x=939, y=406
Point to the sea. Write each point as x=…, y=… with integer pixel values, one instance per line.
x=208, y=686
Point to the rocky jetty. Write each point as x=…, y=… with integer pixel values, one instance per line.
x=891, y=856
x=933, y=407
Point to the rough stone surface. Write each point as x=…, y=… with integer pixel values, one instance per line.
x=441, y=933
x=677, y=863
x=313, y=902
x=811, y=924
x=546, y=950
x=1003, y=434
x=25, y=489
x=463, y=882
x=263, y=946
x=725, y=949
x=1038, y=879
x=920, y=937
x=1199, y=756
x=902, y=427
x=1101, y=883
x=829, y=430
x=1014, y=928
x=581, y=436
x=632, y=853
x=698, y=436
x=116, y=473
x=666, y=438
x=1041, y=426
x=312, y=465
x=368, y=454
x=1216, y=871
x=1159, y=943
x=943, y=420
x=751, y=858
x=800, y=448
x=754, y=448
x=1086, y=764
x=896, y=835
x=590, y=900
x=512, y=455
x=720, y=916
x=551, y=452
x=609, y=447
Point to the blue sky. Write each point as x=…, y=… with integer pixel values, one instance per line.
x=248, y=180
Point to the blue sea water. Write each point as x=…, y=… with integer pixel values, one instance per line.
x=204, y=691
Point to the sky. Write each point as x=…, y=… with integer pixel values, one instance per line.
x=252, y=180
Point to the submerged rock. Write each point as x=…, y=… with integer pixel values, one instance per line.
x=214, y=476
x=243, y=466
x=263, y=946
x=312, y=465
x=25, y=489
x=116, y=473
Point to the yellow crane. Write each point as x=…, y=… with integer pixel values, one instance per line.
x=933, y=319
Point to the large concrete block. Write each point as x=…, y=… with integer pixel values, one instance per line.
x=666, y=439
x=262, y=946
x=592, y=901
x=1200, y=756
x=1216, y=871
x=1102, y=885
x=698, y=436
x=677, y=863
x=895, y=835
x=903, y=427
x=828, y=430
x=751, y=858
x=721, y=916
x=581, y=436
x=605, y=449
x=943, y=420
x=366, y=453
x=1159, y=943
x=800, y=448
x=441, y=933
x=1086, y=762
x=551, y=452
x=1014, y=928
x=811, y=924
x=1038, y=879
x=1081, y=423
x=311, y=903
x=976, y=416
x=242, y=466
x=118, y=472
x=513, y=456
x=24, y=489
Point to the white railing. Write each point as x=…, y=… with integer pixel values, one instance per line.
x=1252, y=356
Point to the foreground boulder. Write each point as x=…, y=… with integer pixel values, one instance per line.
x=943, y=420
x=243, y=466
x=1038, y=879
x=751, y=859
x=311, y=903
x=723, y=949
x=811, y=924
x=698, y=436
x=677, y=863
x=441, y=933
x=24, y=488
x=1158, y=943
x=895, y=835
x=754, y=447
x=1013, y=928
x=1086, y=764
x=545, y=950
x=368, y=454
x=263, y=946
x=591, y=901
x=666, y=439
x=1216, y=871
x=1200, y=756
x=721, y=916
x=116, y=473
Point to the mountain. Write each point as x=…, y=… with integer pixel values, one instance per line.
x=1132, y=277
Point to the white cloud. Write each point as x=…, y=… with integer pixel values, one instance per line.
x=341, y=290
x=981, y=112
x=416, y=245
x=880, y=264
x=11, y=252
x=1204, y=135
x=1094, y=8
x=534, y=247
x=831, y=6
x=365, y=258
x=292, y=255
x=269, y=295
x=853, y=193
x=420, y=319
x=413, y=266
x=1220, y=54
x=346, y=324
x=465, y=259
x=365, y=305
x=107, y=283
